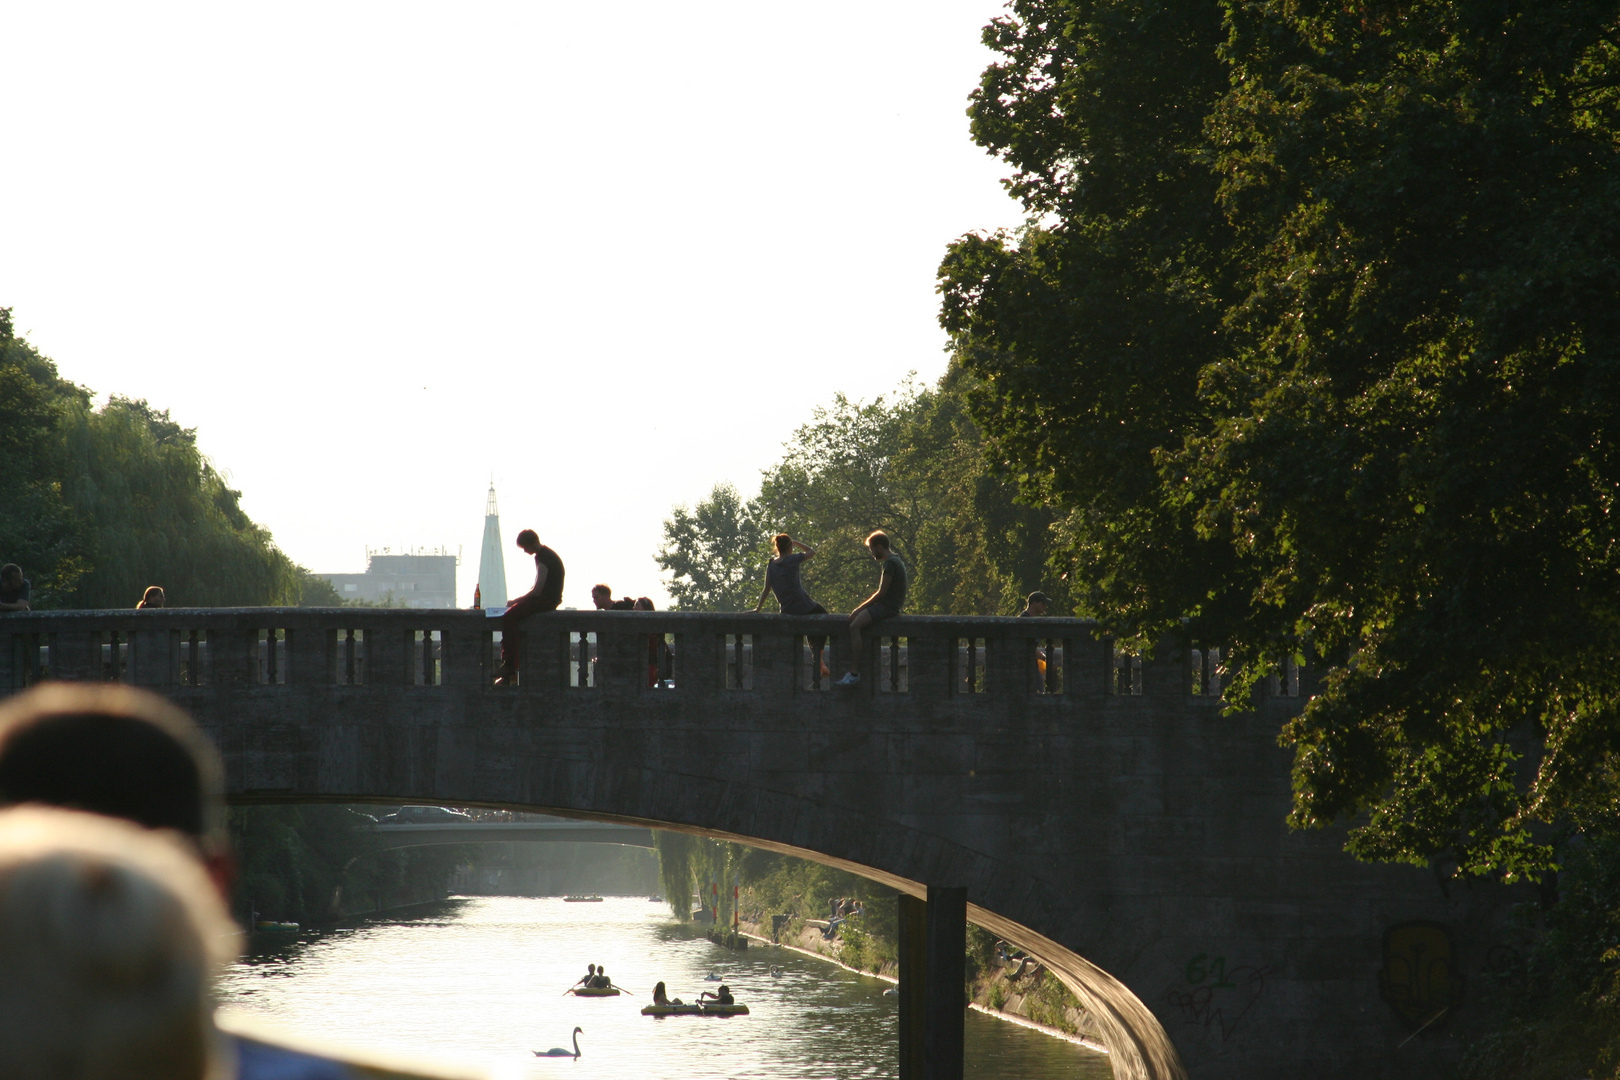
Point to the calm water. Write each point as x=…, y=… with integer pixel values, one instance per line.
x=481, y=981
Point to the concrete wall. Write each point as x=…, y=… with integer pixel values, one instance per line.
x=1100, y=813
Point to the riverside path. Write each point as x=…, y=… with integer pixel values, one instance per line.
x=1100, y=810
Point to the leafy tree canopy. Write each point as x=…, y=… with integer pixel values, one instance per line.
x=103, y=502
x=912, y=465
x=1312, y=337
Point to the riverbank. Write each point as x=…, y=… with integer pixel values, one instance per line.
x=1026, y=1000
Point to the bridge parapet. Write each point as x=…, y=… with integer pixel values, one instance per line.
x=932, y=659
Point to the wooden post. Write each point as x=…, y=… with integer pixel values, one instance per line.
x=944, y=999
x=913, y=948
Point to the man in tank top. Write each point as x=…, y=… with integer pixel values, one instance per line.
x=545, y=596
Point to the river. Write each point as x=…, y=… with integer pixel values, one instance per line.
x=480, y=981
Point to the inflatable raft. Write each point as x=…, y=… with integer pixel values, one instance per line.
x=596, y=991
x=694, y=1010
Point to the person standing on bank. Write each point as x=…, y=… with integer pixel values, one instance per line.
x=545, y=596
x=883, y=604
x=782, y=578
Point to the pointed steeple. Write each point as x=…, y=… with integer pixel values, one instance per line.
x=491, y=560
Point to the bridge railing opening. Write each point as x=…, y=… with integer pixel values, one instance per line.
x=616, y=653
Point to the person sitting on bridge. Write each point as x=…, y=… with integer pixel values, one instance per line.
x=125, y=753
x=110, y=937
x=602, y=597
x=14, y=588
x=545, y=596
x=152, y=598
x=658, y=651
x=590, y=977
x=883, y=604
x=782, y=578
x=721, y=996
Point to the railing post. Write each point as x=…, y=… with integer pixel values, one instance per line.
x=621, y=658
x=154, y=657
x=385, y=652
x=1088, y=661
x=928, y=658
x=76, y=655
x=460, y=646
x=308, y=657
x=775, y=658
x=1008, y=665
x=233, y=655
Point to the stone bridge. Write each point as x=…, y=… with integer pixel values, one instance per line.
x=1097, y=809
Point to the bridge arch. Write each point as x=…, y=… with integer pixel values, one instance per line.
x=1101, y=810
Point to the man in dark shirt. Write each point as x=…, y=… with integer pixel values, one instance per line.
x=14, y=588
x=883, y=604
x=545, y=596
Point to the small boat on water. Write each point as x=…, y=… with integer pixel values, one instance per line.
x=655, y=899
x=694, y=1010
x=582, y=899
x=596, y=991
x=269, y=925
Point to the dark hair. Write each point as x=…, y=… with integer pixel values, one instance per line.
x=110, y=750
x=528, y=535
x=601, y=589
x=153, y=592
x=11, y=569
x=644, y=603
x=1038, y=597
x=879, y=538
x=783, y=543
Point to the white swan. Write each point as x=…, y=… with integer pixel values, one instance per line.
x=557, y=1051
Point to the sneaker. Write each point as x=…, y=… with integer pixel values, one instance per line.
x=849, y=679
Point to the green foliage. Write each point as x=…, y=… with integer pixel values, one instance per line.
x=317, y=591
x=1312, y=340
x=710, y=552
x=912, y=465
x=306, y=863
x=1558, y=1009
x=103, y=502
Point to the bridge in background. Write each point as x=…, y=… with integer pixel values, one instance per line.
x=1100, y=810
x=562, y=830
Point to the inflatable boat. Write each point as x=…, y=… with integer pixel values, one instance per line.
x=694, y=1010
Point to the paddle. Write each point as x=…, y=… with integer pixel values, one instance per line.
x=621, y=989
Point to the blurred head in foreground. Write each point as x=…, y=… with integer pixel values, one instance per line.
x=110, y=937
x=118, y=751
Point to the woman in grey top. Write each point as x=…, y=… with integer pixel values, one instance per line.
x=782, y=578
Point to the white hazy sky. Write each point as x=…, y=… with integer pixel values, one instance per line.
x=375, y=253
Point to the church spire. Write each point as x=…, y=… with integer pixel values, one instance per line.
x=491, y=558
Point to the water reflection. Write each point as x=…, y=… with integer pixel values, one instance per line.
x=483, y=981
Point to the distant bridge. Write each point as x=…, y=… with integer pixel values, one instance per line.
x=1097, y=809
x=425, y=834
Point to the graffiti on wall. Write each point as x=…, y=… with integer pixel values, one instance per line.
x=1217, y=996
x=1419, y=979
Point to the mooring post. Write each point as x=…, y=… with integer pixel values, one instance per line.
x=944, y=999
x=913, y=985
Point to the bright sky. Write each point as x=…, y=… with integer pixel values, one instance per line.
x=610, y=254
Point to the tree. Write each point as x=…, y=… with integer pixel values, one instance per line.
x=1314, y=342
x=911, y=464
x=104, y=502
x=710, y=552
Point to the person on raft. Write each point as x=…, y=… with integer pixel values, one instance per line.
x=601, y=982
x=661, y=996
x=721, y=997
x=589, y=979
